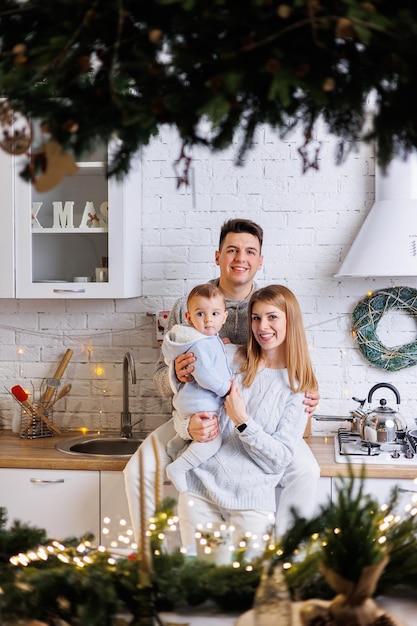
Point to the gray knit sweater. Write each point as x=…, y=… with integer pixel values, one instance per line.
x=235, y=328
x=243, y=474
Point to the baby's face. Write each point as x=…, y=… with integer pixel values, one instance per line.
x=207, y=315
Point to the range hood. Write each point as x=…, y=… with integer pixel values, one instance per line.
x=386, y=244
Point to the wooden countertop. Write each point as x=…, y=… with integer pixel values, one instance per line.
x=18, y=452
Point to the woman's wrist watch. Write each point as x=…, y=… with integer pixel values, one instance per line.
x=241, y=427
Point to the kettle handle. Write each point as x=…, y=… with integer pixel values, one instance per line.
x=389, y=386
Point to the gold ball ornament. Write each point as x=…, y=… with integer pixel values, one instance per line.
x=19, y=52
x=344, y=28
x=71, y=126
x=284, y=11
x=155, y=35
x=273, y=66
x=329, y=84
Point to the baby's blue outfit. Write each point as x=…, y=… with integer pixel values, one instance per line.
x=212, y=374
x=212, y=379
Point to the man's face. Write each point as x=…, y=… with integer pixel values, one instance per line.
x=239, y=258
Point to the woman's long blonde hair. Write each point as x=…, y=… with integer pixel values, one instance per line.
x=300, y=370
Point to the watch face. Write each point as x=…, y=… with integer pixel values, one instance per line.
x=241, y=427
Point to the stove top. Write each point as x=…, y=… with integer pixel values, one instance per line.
x=350, y=448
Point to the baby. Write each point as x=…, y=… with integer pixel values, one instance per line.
x=206, y=314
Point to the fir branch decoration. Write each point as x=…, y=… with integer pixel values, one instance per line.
x=18, y=538
x=90, y=590
x=92, y=70
x=354, y=537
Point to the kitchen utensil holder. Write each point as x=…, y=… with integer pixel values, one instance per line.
x=31, y=427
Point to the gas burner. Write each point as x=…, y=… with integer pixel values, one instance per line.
x=371, y=447
x=350, y=448
x=412, y=439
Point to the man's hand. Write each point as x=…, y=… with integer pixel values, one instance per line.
x=311, y=400
x=184, y=367
x=203, y=427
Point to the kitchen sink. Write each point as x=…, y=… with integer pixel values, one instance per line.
x=100, y=445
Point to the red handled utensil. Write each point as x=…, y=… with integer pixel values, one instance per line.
x=21, y=396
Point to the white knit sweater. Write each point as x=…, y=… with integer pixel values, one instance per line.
x=245, y=471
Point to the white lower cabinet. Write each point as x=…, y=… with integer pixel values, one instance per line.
x=70, y=503
x=115, y=518
x=381, y=489
x=324, y=492
x=66, y=503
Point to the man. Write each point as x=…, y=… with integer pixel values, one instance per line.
x=239, y=257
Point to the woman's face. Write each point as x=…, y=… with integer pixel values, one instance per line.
x=269, y=325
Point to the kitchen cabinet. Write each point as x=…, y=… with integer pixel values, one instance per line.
x=65, y=503
x=70, y=503
x=381, y=489
x=7, y=251
x=324, y=492
x=86, y=223
x=115, y=517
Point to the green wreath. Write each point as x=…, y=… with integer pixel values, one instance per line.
x=366, y=317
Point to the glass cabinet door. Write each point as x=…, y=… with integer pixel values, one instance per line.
x=80, y=239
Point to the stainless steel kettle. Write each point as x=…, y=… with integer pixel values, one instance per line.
x=383, y=424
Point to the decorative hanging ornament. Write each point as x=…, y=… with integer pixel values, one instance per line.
x=366, y=317
x=15, y=130
x=55, y=164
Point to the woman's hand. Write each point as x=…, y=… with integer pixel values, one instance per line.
x=203, y=427
x=235, y=406
x=184, y=367
x=311, y=400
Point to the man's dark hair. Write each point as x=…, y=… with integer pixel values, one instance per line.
x=241, y=226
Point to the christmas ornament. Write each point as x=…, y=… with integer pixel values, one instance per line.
x=15, y=130
x=56, y=163
x=366, y=317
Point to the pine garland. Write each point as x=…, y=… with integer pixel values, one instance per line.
x=351, y=533
x=92, y=70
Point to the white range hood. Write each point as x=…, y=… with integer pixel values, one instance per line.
x=386, y=244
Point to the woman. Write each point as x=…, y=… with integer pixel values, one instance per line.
x=262, y=423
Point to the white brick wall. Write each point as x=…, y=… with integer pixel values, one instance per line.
x=309, y=222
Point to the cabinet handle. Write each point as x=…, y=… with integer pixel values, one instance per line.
x=69, y=290
x=42, y=480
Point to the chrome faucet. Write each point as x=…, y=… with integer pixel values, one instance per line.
x=126, y=416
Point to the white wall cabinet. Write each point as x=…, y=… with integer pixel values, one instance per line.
x=66, y=503
x=48, y=239
x=7, y=248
